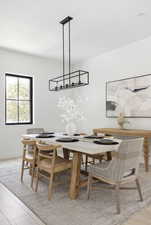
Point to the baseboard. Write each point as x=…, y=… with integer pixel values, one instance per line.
x=7, y=159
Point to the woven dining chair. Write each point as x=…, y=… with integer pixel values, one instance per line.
x=49, y=162
x=123, y=168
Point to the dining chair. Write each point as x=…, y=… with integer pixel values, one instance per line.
x=107, y=155
x=28, y=157
x=35, y=130
x=92, y=159
x=89, y=159
x=123, y=168
x=49, y=162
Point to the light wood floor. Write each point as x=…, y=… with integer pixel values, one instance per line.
x=13, y=211
x=140, y=218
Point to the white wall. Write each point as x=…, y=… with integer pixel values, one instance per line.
x=44, y=100
x=134, y=59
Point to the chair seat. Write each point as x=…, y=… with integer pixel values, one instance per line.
x=60, y=164
x=101, y=170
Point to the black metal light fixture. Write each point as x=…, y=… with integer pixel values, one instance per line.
x=71, y=79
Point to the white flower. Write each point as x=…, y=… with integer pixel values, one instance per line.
x=71, y=110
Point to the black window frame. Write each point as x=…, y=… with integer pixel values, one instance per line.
x=30, y=100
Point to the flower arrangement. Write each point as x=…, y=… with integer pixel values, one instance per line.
x=72, y=113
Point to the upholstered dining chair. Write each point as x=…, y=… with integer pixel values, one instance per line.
x=35, y=130
x=49, y=162
x=123, y=168
x=28, y=157
x=89, y=159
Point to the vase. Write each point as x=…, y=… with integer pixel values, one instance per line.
x=70, y=128
x=121, y=120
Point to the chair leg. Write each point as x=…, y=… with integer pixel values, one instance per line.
x=86, y=163
x=37, y=180
x=89, y=186
x=22, y=170
x=50, y=186
x=93, y=160
x=117, y=190
x=26, y=164
x=32, y=176
x=139, y=189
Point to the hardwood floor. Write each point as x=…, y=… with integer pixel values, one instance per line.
x=14, y=212
x=140, y=218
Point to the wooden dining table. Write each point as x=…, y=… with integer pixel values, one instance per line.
x=83, y=146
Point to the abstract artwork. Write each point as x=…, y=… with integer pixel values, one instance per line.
x=131, y=96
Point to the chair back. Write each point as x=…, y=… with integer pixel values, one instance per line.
x=127, y=159
x=35, y=130
x=28, y=142
x=45, y=149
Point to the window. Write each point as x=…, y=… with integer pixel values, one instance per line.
x=18, y=100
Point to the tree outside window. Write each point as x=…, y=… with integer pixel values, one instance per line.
x=18, y=104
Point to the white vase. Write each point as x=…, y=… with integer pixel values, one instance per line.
x=70, y=128
x=121, y=120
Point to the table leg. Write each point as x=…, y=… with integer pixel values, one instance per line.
x=146, y=153
x=75, y=176
x=109, y=156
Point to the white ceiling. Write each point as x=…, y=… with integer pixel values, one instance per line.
x=32, y=26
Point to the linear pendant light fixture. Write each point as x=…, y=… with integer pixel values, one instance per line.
x=71, y=79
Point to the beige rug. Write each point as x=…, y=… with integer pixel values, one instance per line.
x=99, y=210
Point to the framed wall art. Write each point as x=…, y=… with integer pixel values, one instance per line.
x=131, y=96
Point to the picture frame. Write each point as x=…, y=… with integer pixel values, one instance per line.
x=130, y=96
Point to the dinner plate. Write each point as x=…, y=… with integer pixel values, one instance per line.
x=93, y=137
x=106, y=142
x=76, y=134
x=108, y=135
x=47, y=133
x=45, y=136
x=67, y=140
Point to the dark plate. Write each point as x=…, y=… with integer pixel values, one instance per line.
x=45, y=136
x=76, y=135
x=106, y=142
x=93, y=137
x=108, y=135
x=46, y=133
x=67, y=140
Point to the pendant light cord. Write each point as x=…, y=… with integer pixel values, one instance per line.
x=69, y=53
x=63, y=54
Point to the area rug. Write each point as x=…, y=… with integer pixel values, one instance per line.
x=99, y=210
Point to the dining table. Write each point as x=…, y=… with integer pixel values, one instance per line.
x=85, y=146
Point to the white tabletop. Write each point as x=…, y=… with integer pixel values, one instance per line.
x=83, y=145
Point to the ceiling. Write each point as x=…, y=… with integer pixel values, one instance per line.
x=32, y=26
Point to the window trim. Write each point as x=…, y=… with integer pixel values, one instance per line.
x=31, y=99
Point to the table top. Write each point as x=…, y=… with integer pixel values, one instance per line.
x=84, y=145
x=128, y=132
